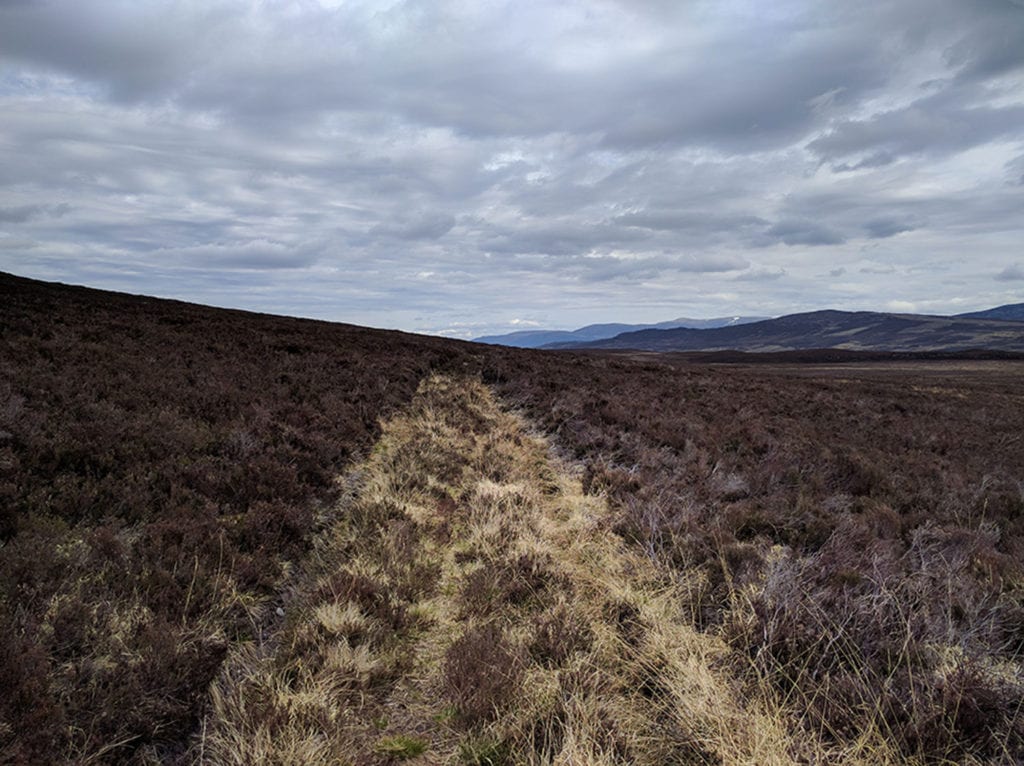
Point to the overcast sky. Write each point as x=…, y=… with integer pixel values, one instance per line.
x=474, y=167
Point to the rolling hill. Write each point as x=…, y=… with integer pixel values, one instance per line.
x=1012, y=312
x=859, y=330
x=594, y=332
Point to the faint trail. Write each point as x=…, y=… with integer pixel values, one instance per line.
x=471, y=605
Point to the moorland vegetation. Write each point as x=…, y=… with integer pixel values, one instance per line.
x=195, y=552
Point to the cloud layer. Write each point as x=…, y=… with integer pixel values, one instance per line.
x=468, y=167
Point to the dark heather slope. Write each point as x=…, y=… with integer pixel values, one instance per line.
x=160, y=463
x=861, y=330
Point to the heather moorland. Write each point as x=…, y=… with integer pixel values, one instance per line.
x=240, y=538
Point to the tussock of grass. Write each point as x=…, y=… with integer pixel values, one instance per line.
x=400, y=747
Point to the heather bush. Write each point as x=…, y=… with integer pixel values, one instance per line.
x=482, y=672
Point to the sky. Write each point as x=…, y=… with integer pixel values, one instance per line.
x=468, y=168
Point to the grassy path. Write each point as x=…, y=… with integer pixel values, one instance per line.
x=469, y=604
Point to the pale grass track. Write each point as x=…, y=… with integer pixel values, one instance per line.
x=466, y=542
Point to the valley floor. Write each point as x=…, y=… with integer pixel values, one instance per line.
x=469, y=603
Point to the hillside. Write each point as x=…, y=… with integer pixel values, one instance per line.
x=237, y=538
x=860, y=330
x=539, y=338
x=162, y=466
x=1013, y=312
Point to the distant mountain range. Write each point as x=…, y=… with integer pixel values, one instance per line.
x=594, y=332
x=999, y=329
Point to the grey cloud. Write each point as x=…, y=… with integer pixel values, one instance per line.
x=255, y=255
x=873, y=160
x=802, y=232
x=982, y=41
x=434, y=64
x=426, y=226
x=867, y=207
x=1011, y=273
x=689, y=220
x=994, y=46
x=917, y=129
x=556, y=238
x=841, y=271
x=24, y=213
x=726, y=107
x=144, y=235
x=710, y=263
x=761, y=275
x=882, y=228
x=1015, y=171
x=607, y=268
x=137, y=50
x=14, y=243
x=19, y=214
x=476, y=80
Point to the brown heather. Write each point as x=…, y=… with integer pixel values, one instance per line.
x=855, y=532
x=654, y=560
x=161, y=465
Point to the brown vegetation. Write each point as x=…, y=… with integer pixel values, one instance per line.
x=841, y=543
x=859, y=531
x=160, y=464
x=536, y=636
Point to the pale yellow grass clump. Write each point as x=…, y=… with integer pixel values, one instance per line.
x=470, y=604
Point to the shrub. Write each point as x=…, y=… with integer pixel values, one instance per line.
x=482, y=673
